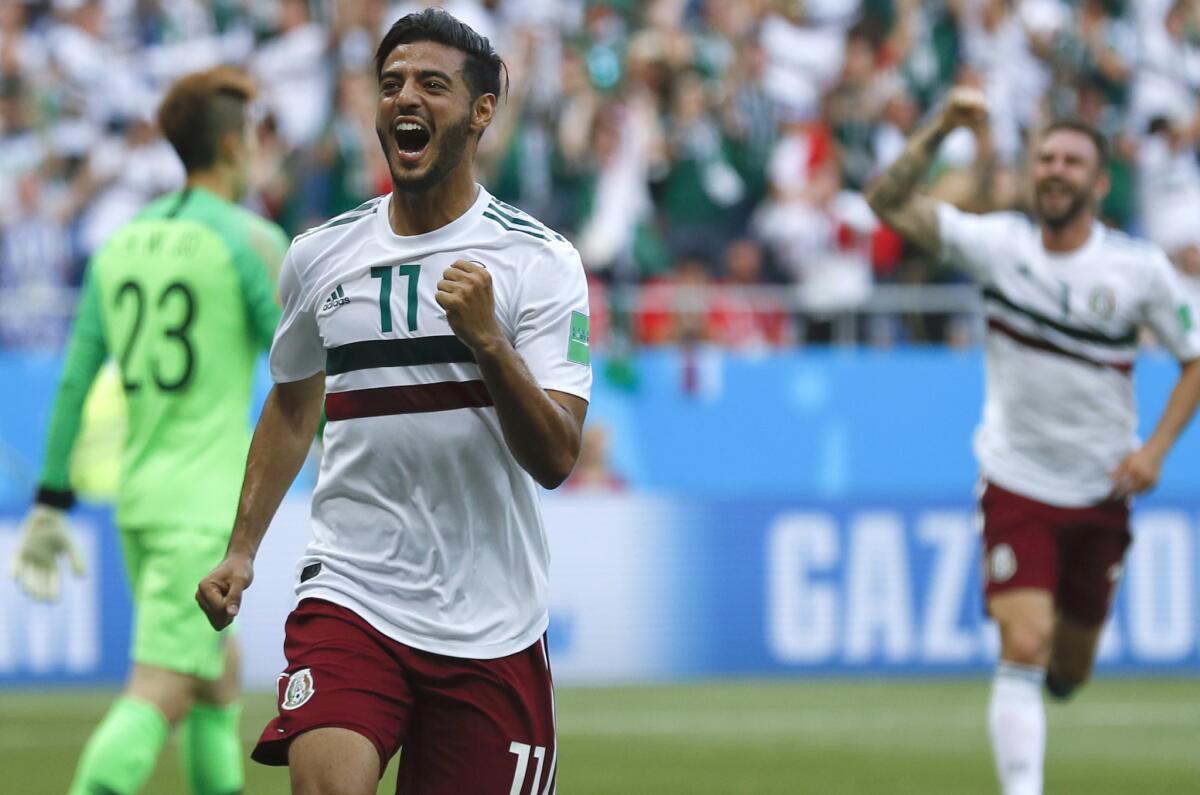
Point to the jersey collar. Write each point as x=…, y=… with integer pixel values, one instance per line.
x=383, y=227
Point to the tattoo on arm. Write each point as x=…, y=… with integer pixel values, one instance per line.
x=897, y=184
x=893, y=196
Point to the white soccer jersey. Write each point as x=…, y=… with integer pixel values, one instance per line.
x=423, y=522
x=1059, y=414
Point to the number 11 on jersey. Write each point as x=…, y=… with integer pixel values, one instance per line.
x=384, y=273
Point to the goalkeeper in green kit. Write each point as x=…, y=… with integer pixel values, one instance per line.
x=183, y=298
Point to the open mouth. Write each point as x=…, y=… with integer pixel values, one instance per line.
x=1054, y=190
x=412, y=139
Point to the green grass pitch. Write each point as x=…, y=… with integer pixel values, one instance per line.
x=732, y=738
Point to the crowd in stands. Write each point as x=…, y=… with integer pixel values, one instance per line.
x=680, y=144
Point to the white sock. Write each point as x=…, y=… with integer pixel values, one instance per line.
x=1017, y=723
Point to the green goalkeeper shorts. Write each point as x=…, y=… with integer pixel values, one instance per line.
x=170, y=631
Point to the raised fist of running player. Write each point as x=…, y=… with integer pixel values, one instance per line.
x=964, y=107
x=465, y=292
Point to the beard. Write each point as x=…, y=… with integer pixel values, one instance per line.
x=450, y=150
x=1080, y=203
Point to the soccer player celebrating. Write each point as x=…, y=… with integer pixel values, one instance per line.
x=182, y=296
x=1064, y=298
x=447, y=333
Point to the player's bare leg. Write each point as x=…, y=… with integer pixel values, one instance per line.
x=1016, y=716
x=333, y=761
x=1072, y=655
x=170, y=692
x=210, y=735
x=1025, y=617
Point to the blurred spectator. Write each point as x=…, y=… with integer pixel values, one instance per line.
x=121, y=175
x=743, y=318
x=294, y=75
x=1169, y=192
x=594, y=473
x=35, y=264
x=701, y=184
x=671, y=309
x=1168, y=71
x=817, y=232
x=854, y=109
x=102, y=78
x=20, y=52
x=803, y=57
x=349, y=171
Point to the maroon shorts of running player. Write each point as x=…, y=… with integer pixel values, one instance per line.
x=465, y=725
x=1074, y=553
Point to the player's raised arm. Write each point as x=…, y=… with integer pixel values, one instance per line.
x=893, y=195
x=281, y=441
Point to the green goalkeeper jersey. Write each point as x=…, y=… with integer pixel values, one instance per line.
x=183, y=298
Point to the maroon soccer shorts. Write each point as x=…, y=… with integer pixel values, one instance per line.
x=466, y=726
x=1074, y=553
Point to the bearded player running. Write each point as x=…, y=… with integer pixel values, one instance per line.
x=447, y=334
x=1064, y=298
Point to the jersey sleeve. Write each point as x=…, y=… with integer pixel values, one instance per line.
x=969, y=241
x=297, y=351
x=1168, y=310
x=258, y=267
x=552, y=323
x=86, y=352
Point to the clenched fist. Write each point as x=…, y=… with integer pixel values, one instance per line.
x=1137, y=473
x=465, y=292
x=220, y=593
x=964, y=107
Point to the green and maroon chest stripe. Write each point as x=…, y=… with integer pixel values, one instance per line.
x=410, y=399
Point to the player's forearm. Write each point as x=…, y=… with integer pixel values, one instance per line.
x=893, y=195
x=542, y=435
x=896, y=185
x=281, y=442
x=1181, y=407
x=85, y=355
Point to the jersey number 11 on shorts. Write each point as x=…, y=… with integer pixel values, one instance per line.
x=521, y=750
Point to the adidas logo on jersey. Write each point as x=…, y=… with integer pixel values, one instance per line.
x=336, y=299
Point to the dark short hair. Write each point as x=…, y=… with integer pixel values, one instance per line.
x=202, y=107
x=482, y=68
x=1083, y=128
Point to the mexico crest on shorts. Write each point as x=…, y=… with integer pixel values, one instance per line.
x=1002, y=563
x=299, y=689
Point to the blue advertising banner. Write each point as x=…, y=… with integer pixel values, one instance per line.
x=651, y=588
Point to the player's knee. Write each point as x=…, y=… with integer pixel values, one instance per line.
x=1025, y=643
x=171, y=693
x=333, y=761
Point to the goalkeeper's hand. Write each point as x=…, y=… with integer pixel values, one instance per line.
x=45, y=536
